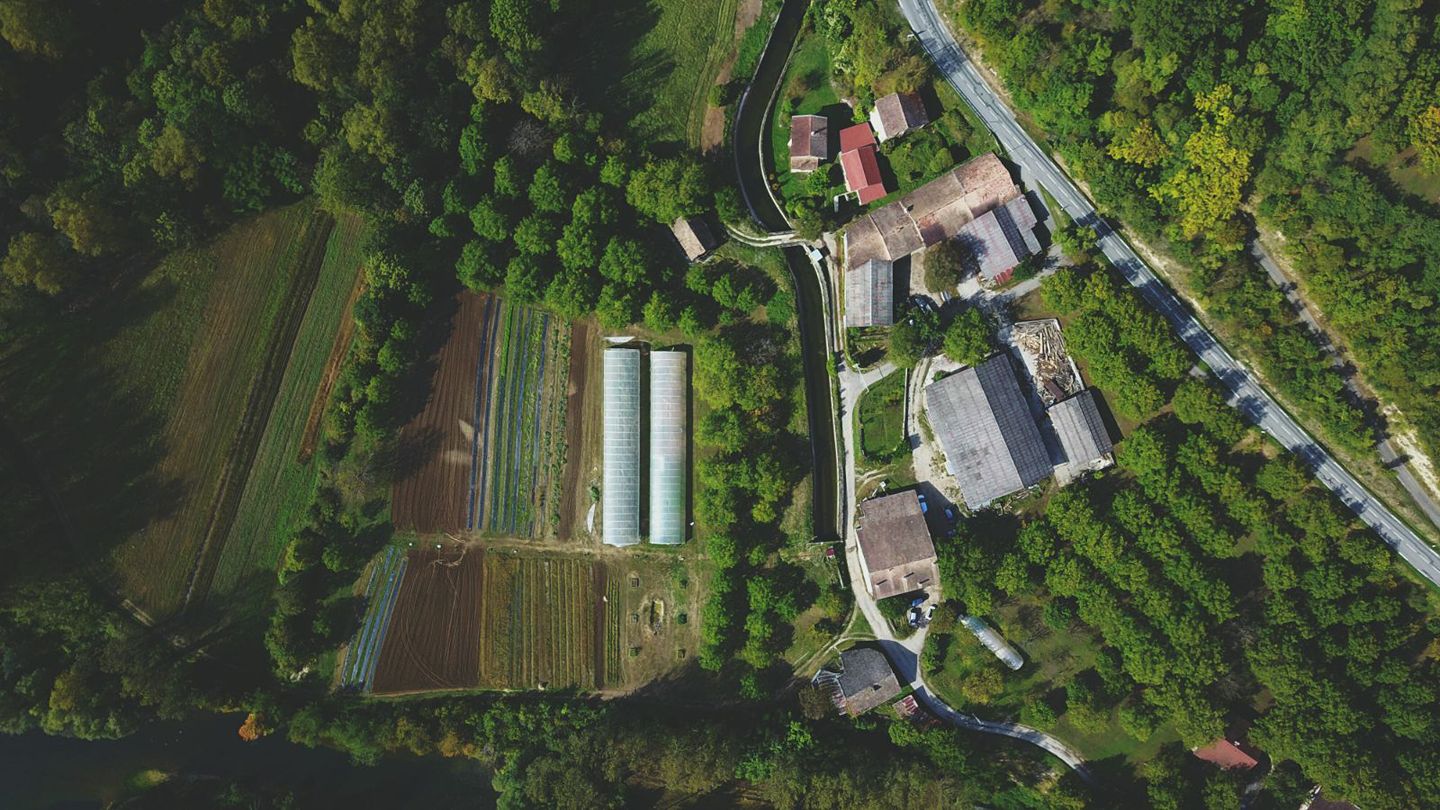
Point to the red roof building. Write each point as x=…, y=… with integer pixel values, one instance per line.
x=860, y=162
x=1227, y=755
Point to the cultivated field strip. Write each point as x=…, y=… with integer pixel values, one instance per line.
x=386, y=578
x=489, y=445
x=538, y=623
x=523, y=410
x=434, y=637
x=440, y=439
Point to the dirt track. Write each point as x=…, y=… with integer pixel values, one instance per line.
x=437, y=444
x=434, y=638
x=333, y=366
x=574, y=495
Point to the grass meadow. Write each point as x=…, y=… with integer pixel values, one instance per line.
x=143, y=418
x=281, y=483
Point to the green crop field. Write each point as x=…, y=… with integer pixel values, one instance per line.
x=281, y=482
x=539, y=622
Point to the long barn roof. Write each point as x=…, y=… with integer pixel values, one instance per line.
x=991, y=443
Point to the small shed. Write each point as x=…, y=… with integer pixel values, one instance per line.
x=1228, y=755
x=809, y=142
x=694, y=237
x=896, y=114
x=866, y=680
x=1080, y=429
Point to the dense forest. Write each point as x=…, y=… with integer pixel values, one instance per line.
x=1196, y=122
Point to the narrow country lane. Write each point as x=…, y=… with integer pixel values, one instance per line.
x=904, y=654
x=1246, y=393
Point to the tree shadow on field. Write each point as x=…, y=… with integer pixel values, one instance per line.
x=606, y=72
x=402, y=455
x=91, y=442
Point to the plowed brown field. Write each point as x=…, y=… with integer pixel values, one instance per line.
x=438, y=443
x=434, y=636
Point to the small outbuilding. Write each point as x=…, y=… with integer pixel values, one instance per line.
x=896, y=554
x=870, y=294
x=1080, y=429
x=1228, y=755
x=860, y=161
x=809, y=142
x=694, y=237
x=896, y=114
x=865, y=681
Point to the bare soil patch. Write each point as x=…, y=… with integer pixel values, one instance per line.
x=436, y=446
x=582, y=409
x=434, y=637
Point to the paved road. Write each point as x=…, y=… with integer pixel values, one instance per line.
x=1417, y=491
x=1246, y=392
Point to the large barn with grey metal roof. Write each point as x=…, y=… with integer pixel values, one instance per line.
x=983, y=422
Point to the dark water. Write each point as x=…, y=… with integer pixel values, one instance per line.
x=750, y=160
x=37, y=771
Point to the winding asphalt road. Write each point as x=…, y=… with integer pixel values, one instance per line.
x=1246, y=393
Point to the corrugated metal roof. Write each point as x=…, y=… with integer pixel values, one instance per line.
x=620, y=490
x=669, y=406
x=1000, y=238
x=1081, y=431
x=991, y=443
x=870, y=294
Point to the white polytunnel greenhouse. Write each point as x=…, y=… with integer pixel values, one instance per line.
x=668, y=412
x=620, y=490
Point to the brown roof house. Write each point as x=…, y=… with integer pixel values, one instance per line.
x=809, y=142
x=896, y=114
x=694, y=237
x=1228, y=755
x=896, y=554
x=932, y=213
x=860, y=161
x=865, y=681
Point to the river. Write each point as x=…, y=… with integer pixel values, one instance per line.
x=37, y=771
x=750, y=145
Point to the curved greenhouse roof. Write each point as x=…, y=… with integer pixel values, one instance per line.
x=668, y=412
x=620, y=491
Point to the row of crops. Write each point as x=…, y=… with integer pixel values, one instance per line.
x=539, y=623
x=358, y=668
x=614, y=611
x=519, y=414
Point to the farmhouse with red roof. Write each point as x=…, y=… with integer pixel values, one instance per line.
x=859, y=159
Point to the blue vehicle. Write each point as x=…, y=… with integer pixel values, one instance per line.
x=924, y=507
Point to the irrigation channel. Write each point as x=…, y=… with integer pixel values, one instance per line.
x=751, y=130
